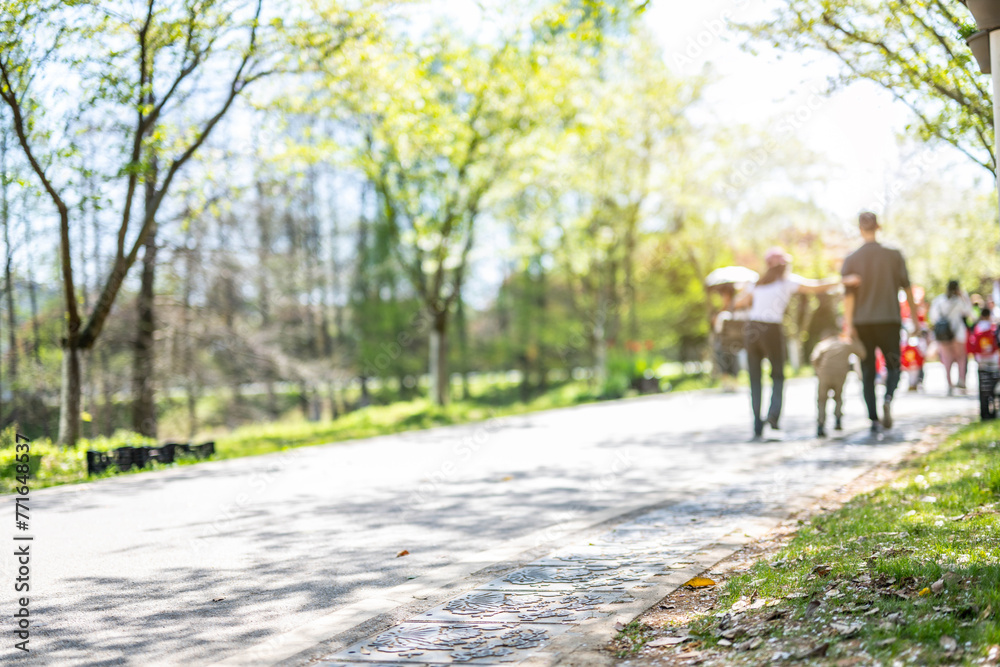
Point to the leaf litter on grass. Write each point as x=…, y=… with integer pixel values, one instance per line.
x=884, y=579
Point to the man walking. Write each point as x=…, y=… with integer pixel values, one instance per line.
x=874, y=274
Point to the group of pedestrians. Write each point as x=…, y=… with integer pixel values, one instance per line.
x=872, y=277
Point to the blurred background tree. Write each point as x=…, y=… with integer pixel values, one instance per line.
x=396, y=208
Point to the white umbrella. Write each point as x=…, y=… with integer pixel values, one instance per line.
x=731, y=275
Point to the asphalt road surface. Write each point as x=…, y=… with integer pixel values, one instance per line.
x=225, y=560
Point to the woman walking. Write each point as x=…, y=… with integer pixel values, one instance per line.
x=948, y=315
x=764, y=337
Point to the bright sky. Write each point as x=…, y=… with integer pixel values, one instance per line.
x=856, y=129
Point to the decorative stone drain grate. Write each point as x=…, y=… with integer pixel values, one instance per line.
x=515, y=607
x=509, y=618
x=517, y=615
x=447, y=643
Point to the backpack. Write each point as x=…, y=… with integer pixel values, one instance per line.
x=942, y=330
x=984, y=340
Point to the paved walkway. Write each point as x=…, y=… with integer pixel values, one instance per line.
x=522, y=534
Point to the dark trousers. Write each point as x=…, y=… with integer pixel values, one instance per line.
x=989, y=375
x=886, y=338
x=765, y=340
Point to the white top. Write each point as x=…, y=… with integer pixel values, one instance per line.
x=771, y=300
x=955, y=309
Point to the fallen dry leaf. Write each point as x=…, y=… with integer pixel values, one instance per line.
x=948, y=643
x=993, y=655
x=404, y=552
x=822, y=570
x=938, y=586
x=699, y=582
x=667, y=641
x=845, y=630
x=741, y=604
x=811, y=608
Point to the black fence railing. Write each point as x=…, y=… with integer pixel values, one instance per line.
x=127, y=458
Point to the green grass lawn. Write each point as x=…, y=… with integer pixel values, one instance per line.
x=908, y=574
x=67, y=466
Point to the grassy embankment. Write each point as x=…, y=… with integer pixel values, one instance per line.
x=907, y=574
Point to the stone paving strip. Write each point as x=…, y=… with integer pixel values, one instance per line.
x=560, y=609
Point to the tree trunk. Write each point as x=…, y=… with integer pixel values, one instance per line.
x=36, y=335
x=9, y=294
x=143, y=395
x=338, y=312
x=234, y=416
x=192, y=408
x=366, y=398
x=106, y=423
x=598, y=338
x=187, y=353
x=8, y=271
x=439, y=358
x=304, y=402
x=315, y=411
x=331, y=390
x=540, y=358
x=69, y=414
x=463, y=347
x=272, y=399
x=629, y=267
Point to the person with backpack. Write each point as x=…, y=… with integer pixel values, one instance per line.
x=986, y=351
x=948, y=316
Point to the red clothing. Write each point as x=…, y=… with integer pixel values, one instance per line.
x=912, y=357
x=904, y=311
x=983, y=341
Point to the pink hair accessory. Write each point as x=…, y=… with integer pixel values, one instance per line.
x=777, y=256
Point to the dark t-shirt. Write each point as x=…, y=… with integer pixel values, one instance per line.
x=883, y=274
